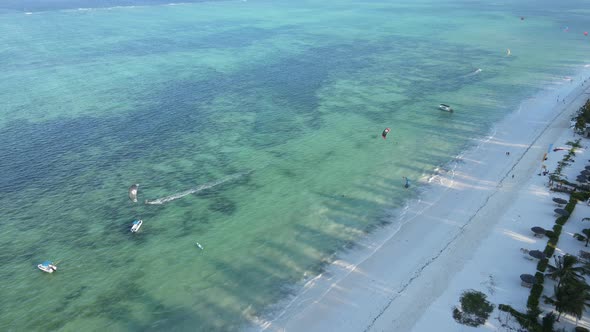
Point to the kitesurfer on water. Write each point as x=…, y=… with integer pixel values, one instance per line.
x=133, y=192
x=385, y=132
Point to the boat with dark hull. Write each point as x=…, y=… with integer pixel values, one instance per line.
x=445, y=107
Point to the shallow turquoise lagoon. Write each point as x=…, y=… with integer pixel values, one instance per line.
x=284, y=100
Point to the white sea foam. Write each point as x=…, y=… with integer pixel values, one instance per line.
x=86, y=9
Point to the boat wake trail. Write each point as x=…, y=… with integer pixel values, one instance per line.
x=166, y=199
x=473, y=73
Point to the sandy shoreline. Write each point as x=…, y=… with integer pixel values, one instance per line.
x=394, y=275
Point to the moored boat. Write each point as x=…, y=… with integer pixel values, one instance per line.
x=136, y=225
x=445, y=107
x=47, y=266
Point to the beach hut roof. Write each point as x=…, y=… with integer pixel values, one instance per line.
x=537, y=254
x=538, y=230
x=528, y=278
x=562, y=212
x=559, y=200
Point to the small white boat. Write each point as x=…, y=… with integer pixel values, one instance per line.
x=445, y=107
x=47, y=266
x=136, y=225
x=200, y=246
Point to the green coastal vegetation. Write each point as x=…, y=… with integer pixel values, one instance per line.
x=582, y=119
x=474, y=310
x=571, y=292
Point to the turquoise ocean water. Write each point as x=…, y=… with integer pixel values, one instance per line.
x=272, y=109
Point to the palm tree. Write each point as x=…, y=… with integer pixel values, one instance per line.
x=586, y=232
x=570, y=298
x=565, y=269
x=585, y=237
x=586, y=267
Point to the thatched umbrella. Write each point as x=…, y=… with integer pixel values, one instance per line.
x=561, y=212
x=559, y=200
x=527, y=280
x=537, y=254
x=538, y=231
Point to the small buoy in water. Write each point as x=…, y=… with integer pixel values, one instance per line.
x=585, y=33
x=200, y=246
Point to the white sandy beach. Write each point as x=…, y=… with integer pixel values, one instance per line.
x=468, y=226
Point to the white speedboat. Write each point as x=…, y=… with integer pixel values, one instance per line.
x=136, y=225
x=445, y=107
x=47, y=266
